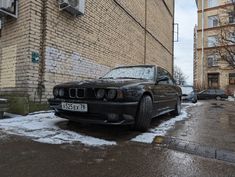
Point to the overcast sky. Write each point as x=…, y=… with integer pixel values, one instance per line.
x=186, y=17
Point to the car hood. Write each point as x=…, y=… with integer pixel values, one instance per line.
x=101, y=83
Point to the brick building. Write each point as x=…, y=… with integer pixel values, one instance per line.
x=211, y=70
x=45, y=45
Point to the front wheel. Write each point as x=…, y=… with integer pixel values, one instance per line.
x=144, y=114
x=177, y=109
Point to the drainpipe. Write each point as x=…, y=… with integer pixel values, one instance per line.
x=202, y=56
x=145, y=33
x=41, y=86
x=173, y=40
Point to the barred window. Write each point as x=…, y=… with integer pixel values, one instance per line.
x=212, y=3
x=212, y=60
x=231, y=17
x=232, y=79
x=213, y=21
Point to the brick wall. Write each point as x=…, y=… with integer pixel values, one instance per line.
x=14, y=52
x=111, y=33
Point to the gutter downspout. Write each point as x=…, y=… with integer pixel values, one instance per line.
x=202, y=56
x=145, y=33
x=41, y=86
x=173, y=40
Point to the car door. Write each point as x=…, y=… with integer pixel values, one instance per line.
x=211, y=94
x=172, y=93
x=162, y=91
x=204, y=95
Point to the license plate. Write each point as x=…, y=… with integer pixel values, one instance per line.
x=80, y=107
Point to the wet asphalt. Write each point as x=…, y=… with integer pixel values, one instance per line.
x=202, y=145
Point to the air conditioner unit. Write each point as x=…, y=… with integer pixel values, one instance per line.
x=74, y=7
x=9, y=7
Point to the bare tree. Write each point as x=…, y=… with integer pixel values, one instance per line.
x=179, y=76
x=225, y=42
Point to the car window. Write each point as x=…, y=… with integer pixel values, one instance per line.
x=211, y=92
x=187, y=90
x=171, y=81
x=219, y=91
x=163, y=73
x=131, y=72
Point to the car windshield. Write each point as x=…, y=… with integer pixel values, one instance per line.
x=131, y=73
x=187, y=90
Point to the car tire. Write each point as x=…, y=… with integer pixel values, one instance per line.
x=177, y=109
x=194, y=101
x=144, y=114
x=218, y=98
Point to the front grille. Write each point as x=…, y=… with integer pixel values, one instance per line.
x=80, y=93
x=72, y=93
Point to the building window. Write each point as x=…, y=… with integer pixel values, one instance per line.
x=213, y=21
x=231, y=1
x=232, y=37
x=212, y=61
x=231, y=17
x=212, y=3
x=232, y=79
x=213, y=80
x=212, y=41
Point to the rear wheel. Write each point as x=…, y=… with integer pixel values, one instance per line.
x=194, y=100
x=177, y=110
x=144, y=114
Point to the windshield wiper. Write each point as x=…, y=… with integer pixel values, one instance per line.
x=130, y=78
x=106, y=78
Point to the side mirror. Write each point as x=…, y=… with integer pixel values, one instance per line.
x=161, y=79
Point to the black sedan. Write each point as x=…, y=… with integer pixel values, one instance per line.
x=125, y=95
x=217, y=94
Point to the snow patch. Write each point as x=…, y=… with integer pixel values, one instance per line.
x=162, y=129
x=41, y=127
x=231, y=98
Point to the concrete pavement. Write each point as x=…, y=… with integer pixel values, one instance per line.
x=210, y=125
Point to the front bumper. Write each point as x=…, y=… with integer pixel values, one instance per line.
x=99, y=112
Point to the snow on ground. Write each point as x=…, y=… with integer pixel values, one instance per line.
x=1, y=99
x=42, y=127
x=231, y=98
x=162, y=129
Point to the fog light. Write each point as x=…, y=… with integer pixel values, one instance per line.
x=113, y=117
x=128, y=117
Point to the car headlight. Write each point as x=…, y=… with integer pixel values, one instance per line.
x=56, y=92
x=61, y=92
x=100, y=93
x=111, y=94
